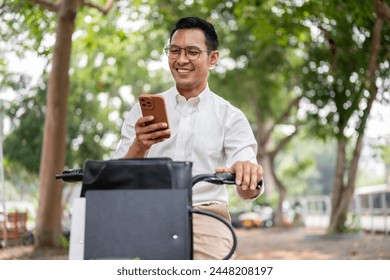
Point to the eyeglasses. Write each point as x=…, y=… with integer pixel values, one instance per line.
x=192, y=53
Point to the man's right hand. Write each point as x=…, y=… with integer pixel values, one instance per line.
x=146, y=135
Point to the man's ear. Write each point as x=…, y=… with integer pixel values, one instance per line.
x=214, y=56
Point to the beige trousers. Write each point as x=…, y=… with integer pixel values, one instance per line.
x=212, y=239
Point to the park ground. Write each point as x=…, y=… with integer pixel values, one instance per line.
x=268, y=244
x=310, y=244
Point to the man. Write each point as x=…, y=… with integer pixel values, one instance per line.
x=204, y=129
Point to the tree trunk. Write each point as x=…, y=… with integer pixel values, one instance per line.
x=338, y=184
x=279, y=220
x=343, y=194
x=48, y=227
x=263, y=158
x=266, y=157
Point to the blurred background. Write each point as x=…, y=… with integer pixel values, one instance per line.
x=313, y=77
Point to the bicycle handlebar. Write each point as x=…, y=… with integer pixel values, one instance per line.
x=77, y=175
x=219, y=179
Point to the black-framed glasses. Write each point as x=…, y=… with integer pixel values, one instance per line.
x=192, y=52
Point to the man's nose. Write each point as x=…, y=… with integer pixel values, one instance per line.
x=182, y=56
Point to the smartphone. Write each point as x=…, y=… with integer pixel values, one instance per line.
x=154, y=105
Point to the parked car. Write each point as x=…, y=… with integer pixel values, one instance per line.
x=250, y=220
x=261, y=216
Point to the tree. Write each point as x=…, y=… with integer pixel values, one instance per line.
x=48, y=227
x=346, y=61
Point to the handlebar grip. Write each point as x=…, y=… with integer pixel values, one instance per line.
x=71, y=175
x=220, y=179
x=226, y=178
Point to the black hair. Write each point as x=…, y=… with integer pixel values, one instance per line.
x=198, y=23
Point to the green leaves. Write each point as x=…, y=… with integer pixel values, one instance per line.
x=337, y=66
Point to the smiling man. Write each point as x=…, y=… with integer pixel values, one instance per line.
x=204, y=129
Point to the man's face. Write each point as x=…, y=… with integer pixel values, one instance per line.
x=191, y=75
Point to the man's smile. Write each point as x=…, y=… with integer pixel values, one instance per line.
x=183, y=70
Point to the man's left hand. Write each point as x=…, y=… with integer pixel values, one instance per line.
x=248, y=175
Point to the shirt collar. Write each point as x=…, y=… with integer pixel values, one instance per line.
x=196, y=101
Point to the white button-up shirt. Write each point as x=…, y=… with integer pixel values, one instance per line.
x=206, y=130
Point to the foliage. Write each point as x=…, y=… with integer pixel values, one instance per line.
x=23, y=145
x=351, y=226
x=336, y=82
x=64, y=241
x=22, y=26
x=100, y=66
x=308, y=166
x=264, y=58
x=384, y=153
